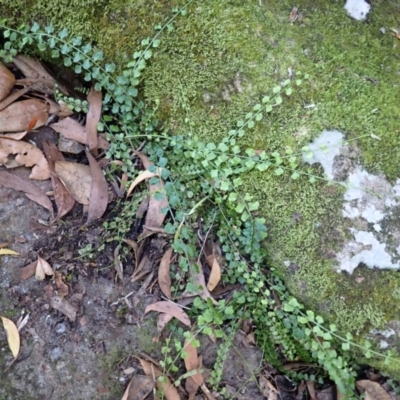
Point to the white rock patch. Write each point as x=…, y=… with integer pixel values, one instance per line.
x=357, y=9
x=369, y=200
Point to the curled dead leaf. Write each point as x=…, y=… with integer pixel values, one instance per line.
x=99, y=190
x=43, y=268
x=7, y=81
x=215, y=275
x=93, y=118
x=164, y=384
x=25, y=154
x=170, y=308
x=62, y=287
x=62, y=305
x=30, y=190
x=16, y=116
x=77, y=178
x=65, y=202
x=13, y=338
x=373, y=390
x=140, y=178
x=32, y=68
x=71, y=129
x=8, y=252
x=196, y=271
x=139, y=388
x=28, y=271
x=192, y=362
x=164, y=278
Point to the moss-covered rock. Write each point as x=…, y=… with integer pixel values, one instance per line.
x=217, y=63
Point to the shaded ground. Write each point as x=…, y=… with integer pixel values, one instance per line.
x=84, y=359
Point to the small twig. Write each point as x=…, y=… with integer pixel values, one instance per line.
x=179, y=305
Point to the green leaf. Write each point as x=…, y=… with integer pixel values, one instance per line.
x=239, y=208
x=302, y=320
x=35, y=27
x=110, y=67
x=279, y=171
x=254, y=206
x=268, y=108
x=232, y=197
x=278, y=100
x=225, y=185
x=287, y=307
x=310, y=315
x=266, y=99
x=289, y=91
x=67, y=61
x=97, y=56
x=298, y=82
x=63, y=33
x=276, y=89
x=223, y=147
x=346, y=346
x=295, y=175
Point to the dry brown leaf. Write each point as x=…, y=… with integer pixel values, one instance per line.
x=139, y=388
x=207, y=393
x=135, y=248
x=43, y=268
x=7, y=81
x=22, y=321
x=14, y=136
x=171, y=309
x=16, y=116
x=65, y=111
x=215, y=275
x=167, y=388
x=8, y=252
x=192, y=362
x=28, y=271
x=140, y=178
x=268, y=389
x=12, y=97
x=93, y=118
x=143, y=158
x=311, y=390
x=30, y=190
x=27, y=155
x=62, y=305
x=373, y=390
x=13, y=338
x=71, y=129
x=196, y=271
x=164, y=278
x=163, y=318
x=99, y=193
x=155, y=217
x=76, y=178
x=62, y=287
x=65, y=202
x=144, y=267
x=32, y=68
